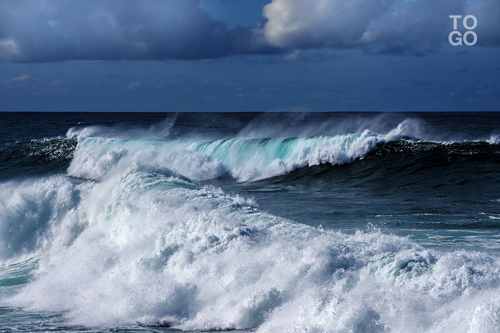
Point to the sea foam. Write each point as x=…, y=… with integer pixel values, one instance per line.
x=139, y=241
x=245, y=159
x=148, y=246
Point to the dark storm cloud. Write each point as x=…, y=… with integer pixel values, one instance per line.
x=52, y=30
x=55, y=30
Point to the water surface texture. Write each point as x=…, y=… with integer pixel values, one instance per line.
x=330, y=222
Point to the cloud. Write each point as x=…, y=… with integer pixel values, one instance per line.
x=134, y=85
x=57, y=30
x=54, y=30
x=19, y=81
x=386, y=26
x=24, y=77
x=488, y=16
x=8, y=48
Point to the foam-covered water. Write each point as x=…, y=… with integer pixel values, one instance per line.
x=377, y=230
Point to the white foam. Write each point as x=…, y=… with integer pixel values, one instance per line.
x=494, y=139
x=30, y=210
x=251, y=159
x=95, y=158
x=144, y=244
x=155, y=248
x=244, y=159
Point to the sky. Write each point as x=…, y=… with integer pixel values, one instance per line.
x=248, y=55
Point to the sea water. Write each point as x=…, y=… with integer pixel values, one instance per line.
x=332, y=222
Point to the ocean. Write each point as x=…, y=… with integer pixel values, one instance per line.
x=254, y=222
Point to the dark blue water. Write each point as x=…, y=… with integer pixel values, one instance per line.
x=343, y=222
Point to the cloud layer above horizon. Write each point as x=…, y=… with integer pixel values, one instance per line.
x=58, y=30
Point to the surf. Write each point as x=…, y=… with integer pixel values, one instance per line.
x=138, y=231
x=250, y=159
x=149, y=247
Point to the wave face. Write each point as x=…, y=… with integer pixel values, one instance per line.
x=151, y=228
x=35, y=157
x=243, y=159
x=250, y=159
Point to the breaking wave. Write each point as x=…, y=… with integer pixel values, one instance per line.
x=249, y=159
x=139, y=239
x=150, y=247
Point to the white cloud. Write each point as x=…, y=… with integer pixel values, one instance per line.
x=19, y=81
x=8, y=49
x=134, y=85
x=24, y=77
x=302, y=24
x=393, y=25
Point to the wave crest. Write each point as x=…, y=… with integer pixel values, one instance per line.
x=243, y=159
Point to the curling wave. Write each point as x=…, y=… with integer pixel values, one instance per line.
x=245, y=159
x=250, y=159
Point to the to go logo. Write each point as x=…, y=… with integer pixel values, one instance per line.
x=456, y=37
